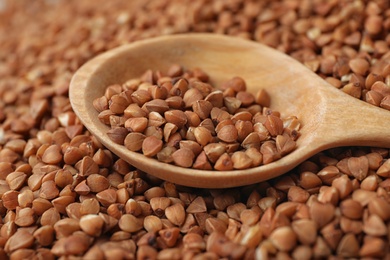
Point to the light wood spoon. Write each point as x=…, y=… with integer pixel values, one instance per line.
x=329, y=117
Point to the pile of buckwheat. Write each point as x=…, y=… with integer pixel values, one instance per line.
x=64, y=195
x=181, y=118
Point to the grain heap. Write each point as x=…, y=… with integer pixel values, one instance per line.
x=181, y=118
x=64, y=195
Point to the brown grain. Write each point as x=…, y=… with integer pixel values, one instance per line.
x=44, y=145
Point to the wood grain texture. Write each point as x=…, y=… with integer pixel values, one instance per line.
x=329, y=117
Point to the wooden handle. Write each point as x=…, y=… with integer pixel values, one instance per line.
x=346, y=121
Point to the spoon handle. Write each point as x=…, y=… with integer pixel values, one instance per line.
x=351, y=122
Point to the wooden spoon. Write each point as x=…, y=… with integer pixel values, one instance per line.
x=329, y=117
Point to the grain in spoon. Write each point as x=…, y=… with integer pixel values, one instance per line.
x=329, y=118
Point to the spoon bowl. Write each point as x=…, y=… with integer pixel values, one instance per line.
x=329, y=117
